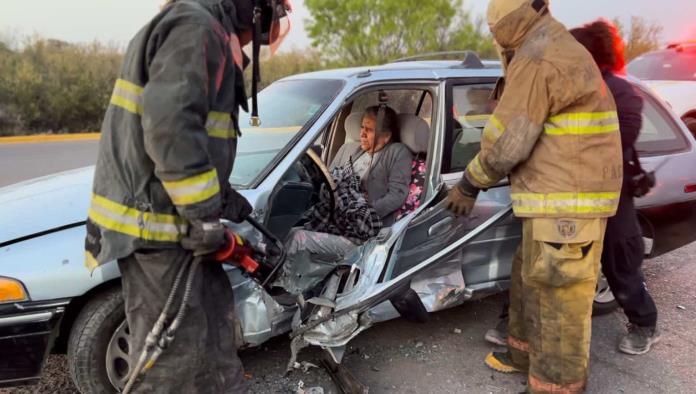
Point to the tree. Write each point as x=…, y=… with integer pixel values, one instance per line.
x=640, y=36
x=284, y=64
x=360, y=32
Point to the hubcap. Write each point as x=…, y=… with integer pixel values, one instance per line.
x=117, y=359
x=603, y=295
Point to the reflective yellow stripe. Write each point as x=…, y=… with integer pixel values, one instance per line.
x=139, y=224
x=564, y=203
x=128, y=96
x=493, y=130
x=220, y=125
x=129, y=86
x=194, y=189
x=583, y=123
x=584, y=116
x=126, y=104
x=474, y=118
x=90, y=262
x=475, y=170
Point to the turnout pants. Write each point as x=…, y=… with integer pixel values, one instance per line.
x=203, y=356
x=554, y=277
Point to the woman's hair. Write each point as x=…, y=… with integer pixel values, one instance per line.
x=390, y=122
x=603, y=41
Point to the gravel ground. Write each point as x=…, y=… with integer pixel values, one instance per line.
x=445, y=355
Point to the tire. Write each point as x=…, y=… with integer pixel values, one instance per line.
x=90, y=338
x=691, y=125
x=604, y=301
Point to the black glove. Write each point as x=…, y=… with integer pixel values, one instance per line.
x=462, y=197
x=235, y=208
x=204, y=237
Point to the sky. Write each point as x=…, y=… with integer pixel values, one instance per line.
x=116, y=21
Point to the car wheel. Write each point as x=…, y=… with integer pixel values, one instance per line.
x=100, y=334
x=604, y=301
x=691, y=124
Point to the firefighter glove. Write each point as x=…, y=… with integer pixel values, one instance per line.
x=235, y=208
x=204, y=237
x=462, y=197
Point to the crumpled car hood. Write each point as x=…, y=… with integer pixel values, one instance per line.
x=45, y=203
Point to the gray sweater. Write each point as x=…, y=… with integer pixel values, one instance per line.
x=388, y=182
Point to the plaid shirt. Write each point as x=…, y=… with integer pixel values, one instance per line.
x=345, y=211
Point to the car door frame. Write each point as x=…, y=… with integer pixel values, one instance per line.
x=668, y=213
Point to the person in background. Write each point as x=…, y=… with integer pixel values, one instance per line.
x=622, y=257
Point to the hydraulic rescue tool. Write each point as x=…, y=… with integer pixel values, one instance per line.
x=237, y=252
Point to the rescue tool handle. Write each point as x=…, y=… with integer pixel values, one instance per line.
x=278, y=243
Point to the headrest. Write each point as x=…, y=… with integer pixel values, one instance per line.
x=352, y=125
x=415, y=133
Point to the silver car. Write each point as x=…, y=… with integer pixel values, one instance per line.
x=427, y=261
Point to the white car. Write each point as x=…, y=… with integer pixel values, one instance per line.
x=671, y=72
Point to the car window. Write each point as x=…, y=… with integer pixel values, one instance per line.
x=670, y=65
x=402, y=101
x=659, y=134
x=285, y=108
x=470, y=110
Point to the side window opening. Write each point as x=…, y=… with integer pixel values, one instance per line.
x=659, y=134
x=469, y=111
x=410, y=105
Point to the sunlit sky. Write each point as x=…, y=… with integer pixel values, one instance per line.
x=116, y=21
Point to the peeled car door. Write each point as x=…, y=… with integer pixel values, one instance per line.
x=484, y=264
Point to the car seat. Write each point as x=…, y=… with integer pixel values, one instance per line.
x=415, y=134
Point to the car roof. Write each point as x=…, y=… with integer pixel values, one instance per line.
x=674, y=48
x=409, y=70
x=431, y=69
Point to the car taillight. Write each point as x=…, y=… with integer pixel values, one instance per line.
x=690, y=189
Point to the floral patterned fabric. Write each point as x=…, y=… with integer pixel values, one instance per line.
x=416, y=188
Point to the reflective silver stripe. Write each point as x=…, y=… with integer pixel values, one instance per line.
x=220, y=125
x=193, y=189
x=576, y=203
x=128, y=96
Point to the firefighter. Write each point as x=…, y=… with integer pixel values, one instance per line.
x=555, y=134
x=161, y=187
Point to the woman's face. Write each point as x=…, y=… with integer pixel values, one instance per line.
x=367, y=135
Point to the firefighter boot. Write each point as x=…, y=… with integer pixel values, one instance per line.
x=501, y=362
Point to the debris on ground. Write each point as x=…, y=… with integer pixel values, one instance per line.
x=457, y=331
x=682, y=307
x=301, y=389
x=305, y=366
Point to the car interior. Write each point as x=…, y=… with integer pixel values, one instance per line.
x=300, y=186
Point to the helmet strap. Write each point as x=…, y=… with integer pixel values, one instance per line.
x=255, y=120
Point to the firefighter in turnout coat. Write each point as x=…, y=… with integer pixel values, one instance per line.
x=555, y=134
x=167, y=149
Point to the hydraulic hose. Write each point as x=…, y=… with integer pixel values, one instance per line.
x=153, y=337
x=168, y=336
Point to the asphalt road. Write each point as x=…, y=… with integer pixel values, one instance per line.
x=20, y=162
x=403, y=357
